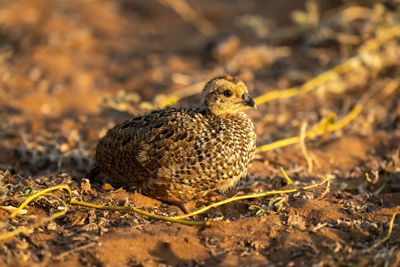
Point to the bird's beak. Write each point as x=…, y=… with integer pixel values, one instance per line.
x=248, y=101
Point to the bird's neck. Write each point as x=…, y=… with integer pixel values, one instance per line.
x=224, y=115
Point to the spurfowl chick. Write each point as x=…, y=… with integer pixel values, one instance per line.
x=178, y=154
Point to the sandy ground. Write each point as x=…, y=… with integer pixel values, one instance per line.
x=69, y=70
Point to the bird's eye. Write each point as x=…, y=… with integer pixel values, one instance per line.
x=227, y=93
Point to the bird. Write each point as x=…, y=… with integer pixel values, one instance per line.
x=179, y=154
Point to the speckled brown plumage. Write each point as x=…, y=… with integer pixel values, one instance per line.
x=177, y=154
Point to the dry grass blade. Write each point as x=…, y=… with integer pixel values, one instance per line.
x=11, y=209
x=81, y=203
x=23, y=229
x=235, y=198
x=66, y=253
x=192, y=16
x=176, y=219
x=303, y=147
x=328, y=184
x=41, y=193
x=389, y=231
x=308, y=86
x=142, y=212
x=372, y=45
x=319, y=226
x=286, y=176
x=326, y=125
x=376, y=177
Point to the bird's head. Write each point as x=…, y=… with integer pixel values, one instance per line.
x=226, y=95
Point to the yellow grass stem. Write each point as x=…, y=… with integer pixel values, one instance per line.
x=308, y=86
x=45, y=193
x=303, y=147
x=328, y=184
x=23, y=229
x=389, y=232
x=286, y=176
x=142, y=212
x=191, y=15
x=324, y=126
x=235, y=198
x=41, y=193
x=383, y=35
x=176, y=219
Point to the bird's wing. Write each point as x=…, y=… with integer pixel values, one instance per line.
x=158, y=139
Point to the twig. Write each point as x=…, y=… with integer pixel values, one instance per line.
x=397, y=260
x=286, y=176
x=324, y=126
x=142, y=212
x=23, y=229
x=11, y=209
x=192, y=16
x=65, y=253
x=44, y=192
x=319, y=226
x=369, y=46
x=176, y=219
x=389, y=232
x=308, y=86
x=328, y=184
x=235, y=198
x=376, y=177
x=303, y=147
x=189, y=90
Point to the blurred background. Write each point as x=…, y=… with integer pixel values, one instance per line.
x=75, y=68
